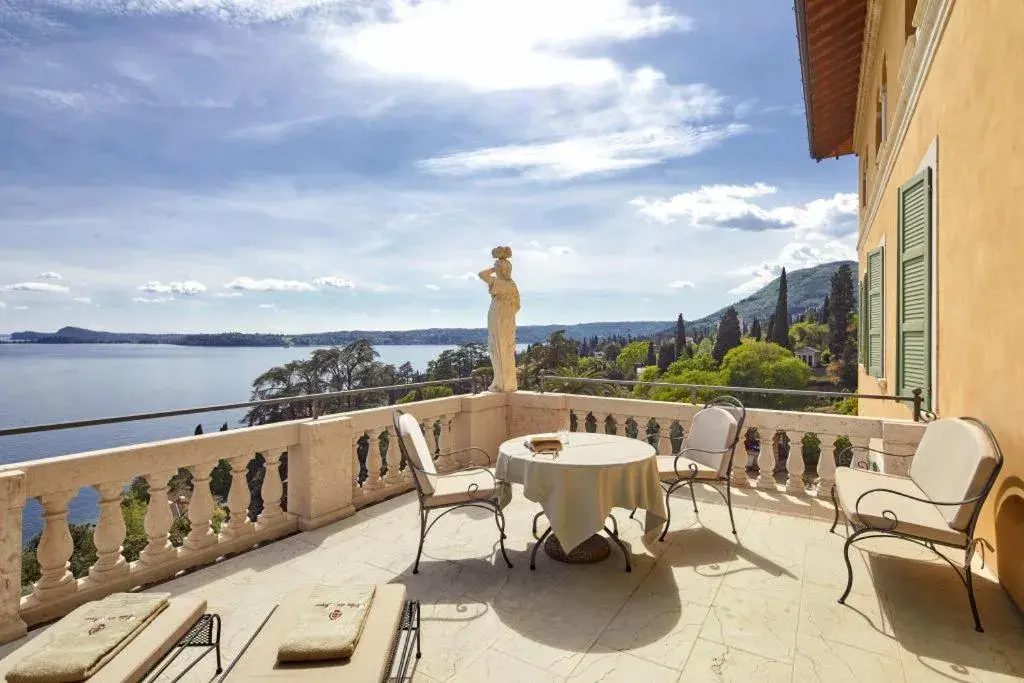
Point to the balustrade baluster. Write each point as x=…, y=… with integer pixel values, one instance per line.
x=238, y=523
x=766, y=460
x=272, y=489
x=738, y=473
x=109, y=535
x=581, y=421
x=358, y=499
x=429, y=437
x=158, y=520
x=394, y=458
x=664, y=440
x=55, y=548
x=601, y=423
x=373, y=463
x=200, y=509
x=795, y=464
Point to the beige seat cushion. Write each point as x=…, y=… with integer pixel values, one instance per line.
x=367, y=663
x=667, y=466
x=916, y=519
x=953, y=461
x=460, y=487
x=417, y=450
x=145, y=650
x=712, y=431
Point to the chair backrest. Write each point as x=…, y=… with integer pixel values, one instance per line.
x=956, y=460
x=713, y=434
x=414, y=448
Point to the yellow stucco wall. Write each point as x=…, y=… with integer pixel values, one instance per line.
x=972, y=106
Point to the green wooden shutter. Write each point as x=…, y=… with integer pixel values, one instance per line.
x=862, y=324
x=876, y=312
x=914, y=362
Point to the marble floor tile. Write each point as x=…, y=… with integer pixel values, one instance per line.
x=712, y=662
x=602, y=665
x=859, y=622
x=655, y=627
x=497, y=667
x=753, y=622
x=823, y=661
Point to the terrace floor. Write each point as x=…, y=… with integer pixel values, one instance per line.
x=698, y=607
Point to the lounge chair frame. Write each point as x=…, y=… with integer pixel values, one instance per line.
x=862, y=531
x=204, y=633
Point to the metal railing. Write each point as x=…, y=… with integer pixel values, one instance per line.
x=916, y=399
x=303, y=398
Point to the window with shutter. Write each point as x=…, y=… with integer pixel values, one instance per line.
x=876, y=312
x=862, y=324
x=913, y=332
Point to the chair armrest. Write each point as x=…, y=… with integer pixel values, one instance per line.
x=692, y=467
x=891, y=516
x=487, y=455
x=863, y=464
x=473, y=487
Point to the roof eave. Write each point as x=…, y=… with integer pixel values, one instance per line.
x=800, y=8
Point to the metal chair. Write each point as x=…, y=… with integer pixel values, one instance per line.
x=707, y=454
x=471, y=487
x=954, y=468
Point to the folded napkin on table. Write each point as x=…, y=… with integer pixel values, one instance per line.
x=544, y=443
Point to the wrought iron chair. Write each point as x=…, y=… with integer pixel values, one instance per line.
x=707, y=454
x=470, y=487
x=952, y=472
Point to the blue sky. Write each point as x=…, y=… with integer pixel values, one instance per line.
x=309, y=165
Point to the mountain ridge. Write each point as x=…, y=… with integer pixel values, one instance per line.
x=806, y=288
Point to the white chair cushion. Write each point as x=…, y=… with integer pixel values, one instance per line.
x=923, y=520
x=713, y=430
x=418, y=452
x=462, y=487
x=667, y=466
x=953, y=462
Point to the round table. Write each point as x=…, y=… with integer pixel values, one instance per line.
x=578, y=487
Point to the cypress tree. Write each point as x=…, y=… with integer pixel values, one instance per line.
x=755, y=330
x=666, y=355
x=680, y=335
x=651, y=359
x=780, y=330
x=771, y=329
x=728, y=334
x=824, y=312
x=841, y=307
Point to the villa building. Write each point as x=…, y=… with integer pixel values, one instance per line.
x=928, y=94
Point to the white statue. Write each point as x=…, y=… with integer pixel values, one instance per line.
x=501, y=319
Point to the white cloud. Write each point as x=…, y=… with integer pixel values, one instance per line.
x=186, y=288
x=153, y=299
x=246, y=11
x=729, y=206
x=268, y=306
x=50, y=275
x=562, y=251
x=334, y=281
x=467, y=276
x=435, y=310
x=3, y=305
x=268, y=285
x=228, y=295
x=21, y=308
x=82, y=300
x=433, y=288
x=794, y=256
x=681, y=284
x=46, y=287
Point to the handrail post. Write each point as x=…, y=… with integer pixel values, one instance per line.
x=918, y=403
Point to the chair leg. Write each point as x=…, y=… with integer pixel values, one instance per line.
x=615, y=523
x=625, y=552
x=728, y=504
x=632, y=513
x=969, y=585
x=668, y=514
x=693, y=498
x=499, y=518
x=835, y=504
x=849, y=567
x=535, y=518
x=423, y=535
x=536, y=547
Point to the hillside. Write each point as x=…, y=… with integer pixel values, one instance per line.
x=807, y=287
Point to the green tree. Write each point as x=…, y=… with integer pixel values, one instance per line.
x=666, y=355
x=630, y=356
x=841, y=306
x=780, y=329
x=768, y=365
x=755, y=330
x=825, y=312
x=808, y=334
x=652, y=359
x=426, y=394
x=680, y=336
x=458, y=362
x=728, y=336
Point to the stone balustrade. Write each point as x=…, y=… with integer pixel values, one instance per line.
x=319, y=456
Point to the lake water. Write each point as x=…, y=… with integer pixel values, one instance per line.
x=42, y=383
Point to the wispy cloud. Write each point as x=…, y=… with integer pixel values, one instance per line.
x=50, y=275
x=21, y=308
x=44, y=287
x=335, y=282
x=248, y=284
x=681, y=284
x=82, y=300
x=186, y=288
x=432, y=288
x=228, y=295
x=153, y=299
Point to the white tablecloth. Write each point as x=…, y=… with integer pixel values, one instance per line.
x=579, y=487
